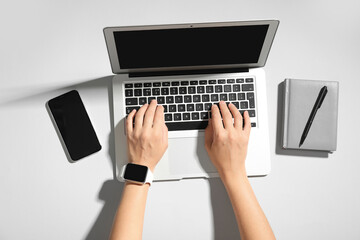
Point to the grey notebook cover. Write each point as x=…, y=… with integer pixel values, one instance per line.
x=299, y=99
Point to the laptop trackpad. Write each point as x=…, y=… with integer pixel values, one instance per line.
x=188, y=158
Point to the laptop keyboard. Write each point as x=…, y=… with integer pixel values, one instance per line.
x=187, y=104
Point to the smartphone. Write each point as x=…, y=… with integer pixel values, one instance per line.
x=73, y=125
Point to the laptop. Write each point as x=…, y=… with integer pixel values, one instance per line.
x=187, y=68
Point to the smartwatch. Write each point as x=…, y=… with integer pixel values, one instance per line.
x=136, y=173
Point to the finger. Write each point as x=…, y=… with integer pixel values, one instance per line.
x=129, y=122
x=209, y=135
x=226, y=115
x=237, y=116
x=216, y=121
x=149, y=115
x=139, y=117
x=247, y=125
x=159, y=116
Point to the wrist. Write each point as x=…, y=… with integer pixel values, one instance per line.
x=229, y=177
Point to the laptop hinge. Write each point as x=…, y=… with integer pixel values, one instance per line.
x=187, y=72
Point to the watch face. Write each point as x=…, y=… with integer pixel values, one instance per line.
x=135, y=172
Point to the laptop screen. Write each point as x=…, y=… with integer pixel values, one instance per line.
x=190, y=46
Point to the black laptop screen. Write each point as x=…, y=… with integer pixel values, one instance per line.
x=190, y=46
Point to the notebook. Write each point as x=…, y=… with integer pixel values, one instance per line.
x=299, y=100
x=187, y=68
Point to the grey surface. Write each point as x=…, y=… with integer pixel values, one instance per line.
x=43, y=196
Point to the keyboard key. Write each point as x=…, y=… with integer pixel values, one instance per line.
x=173, y=90
x=196, y=98
x=165, y=108
x=175, y=83
x=191, y=90
x=164, y=84
x=199, y=107
x=214, y=97
x=251, y=113
x=138, y=85
x=204, y=115
x=150, y=99
x=223, y=97
x=177, y=116
x=244, y=105
x=128, y=85
x=209, y=89
x=161, y=100
x=236, y=87
x=200, y=89
x=146, y=92
x=178, y=99
x=129, y=109
x=156, y=84
x=164, y=91
x=181, y=108
x=193, y=82
x=131, y=101
x=168, y=117
x=203, y=82
x=169, y=99
x=241, y=96
x=221, y=81
x=182, y=90
x=239, y=80
x=190, y=107
x=142, y=100
x=184, y=83
x=195, y=116
x=205, y=98
x=186, y=116
x=218, y=88
x=232, y=96
x=249, y=80
x=236, y=104
x=187, y=99
x=193, y=125
x=251, y=97
x=147, y=84
x=212, y=81
x=227, y=88
x=156, y=91
x=128, y=92
x=230, y=81
x=207, y=106
x=172, y=108
x=247, y=87
x=137, y=92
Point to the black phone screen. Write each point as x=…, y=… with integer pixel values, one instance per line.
x=74, y=125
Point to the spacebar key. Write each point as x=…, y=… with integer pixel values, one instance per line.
x=176, y=126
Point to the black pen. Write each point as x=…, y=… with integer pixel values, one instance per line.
x=317, y=105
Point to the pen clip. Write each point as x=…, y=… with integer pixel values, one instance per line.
x=324, y=92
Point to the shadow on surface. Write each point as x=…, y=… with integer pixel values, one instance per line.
x=279, y=132
x=224, y=221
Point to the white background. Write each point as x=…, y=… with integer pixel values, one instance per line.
x=50, y=47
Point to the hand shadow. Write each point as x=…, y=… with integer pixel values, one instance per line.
x=225, y=225
x=110, y=193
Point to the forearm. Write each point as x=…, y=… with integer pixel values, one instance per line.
x=129, y=219
x=251, y=219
